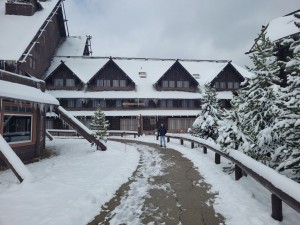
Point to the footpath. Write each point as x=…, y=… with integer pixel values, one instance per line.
x=165, y=189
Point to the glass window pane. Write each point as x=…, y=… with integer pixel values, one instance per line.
x=70, y=82
x=165, y=83
x=100, y=83
x=236, y=85
x=179, y=83
x=17, y=128
x=171, y=83
x=186, y=84
x=58, y=82
x=116, y=83
x=122, y=83
x=230, y=85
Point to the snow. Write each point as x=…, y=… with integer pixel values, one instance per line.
x=14, y=160
x=282, y=27
x=25, y=93
x=70, y=188
x=73, y=45
x=11, y=37
x=76, y=121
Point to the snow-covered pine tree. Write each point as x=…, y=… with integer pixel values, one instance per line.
x=230, y=132
x=206, y=124
x=100, y=125
x=287, y=155
x=257, y=110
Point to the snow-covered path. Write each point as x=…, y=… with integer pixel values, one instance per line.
x=165, y=189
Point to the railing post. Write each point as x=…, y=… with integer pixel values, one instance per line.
x=157, y=138
x=238, y=172
x=204, y=150
x=217, y=158
x=192, y=145
x=134, y=135
x=276, y=208
x=122, y=134
x=181, y=141
x=168, y=139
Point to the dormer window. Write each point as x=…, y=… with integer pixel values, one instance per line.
x=58, y=82
x=165, y=83
x=179, y=83
x=116, y=83
x=70, y=82
x=122, y=83
x=172, y=83
x=186, y=84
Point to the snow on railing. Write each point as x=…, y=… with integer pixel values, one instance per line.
x=14, y=162
x=281, y=187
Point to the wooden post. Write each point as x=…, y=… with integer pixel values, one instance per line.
x=204, y=150
x=192, y=145
x=134, y=135
x=168, y=139
x=181, y=141
x=157, y=138
x=238, y=172
x=276, y=208
x=217, y=158
x=122, y=134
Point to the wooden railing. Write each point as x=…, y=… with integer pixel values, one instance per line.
x=61, y=132
x=282, y=188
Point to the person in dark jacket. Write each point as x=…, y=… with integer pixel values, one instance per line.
x=161, y=132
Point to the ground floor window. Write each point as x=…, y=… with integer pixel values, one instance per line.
x=129, y=124
x=180, y=124
x=17, y=128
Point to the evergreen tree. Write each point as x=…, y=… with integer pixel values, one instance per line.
x=287, y=155
x=206, y=124
x=256, y=104
x=100, y=125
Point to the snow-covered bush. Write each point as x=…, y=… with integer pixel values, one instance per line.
x=100, y=125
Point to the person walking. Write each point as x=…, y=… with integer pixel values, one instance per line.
x=161, y=132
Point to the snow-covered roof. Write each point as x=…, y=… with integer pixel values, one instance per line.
x=83, y=67
x=137, y=112
x=282, y=27
x=73, y=45
x=25, y=93
x=19, y=31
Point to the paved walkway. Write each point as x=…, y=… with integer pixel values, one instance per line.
x=165, y=189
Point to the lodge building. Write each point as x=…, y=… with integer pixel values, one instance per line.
x=138, y=92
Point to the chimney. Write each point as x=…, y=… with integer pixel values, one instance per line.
x=22, y=7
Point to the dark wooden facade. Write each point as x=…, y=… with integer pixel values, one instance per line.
x=37, y=56
x=174, y=78
x=112, y=74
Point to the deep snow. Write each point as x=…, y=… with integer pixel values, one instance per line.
x=71, y=187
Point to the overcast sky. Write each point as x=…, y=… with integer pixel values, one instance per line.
x=189, y=29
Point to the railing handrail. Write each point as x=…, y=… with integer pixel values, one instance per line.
x=240, y=159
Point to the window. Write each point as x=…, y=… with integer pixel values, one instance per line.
x=71, y=103
x=70, y=83
x=169, y=103
x=122, y=83
x=17, y=128
x=58, y=82
x=32, y=62
x=171, y=83
x=163, y=103
x=180, y=124
x=99, y=83
x=78, y=103
x=116, y=83
x=119, y=103
x=217, y=85
x=222, y=85
x=179, y=84
x=184, y=103
x=106, y=83
x=230, y=85
x=99, y=102
x=191, y=103
x=186, y=84
x=165, y=83
x=129, y=124
x=236, y=85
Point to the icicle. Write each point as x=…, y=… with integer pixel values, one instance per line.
x=41, y=107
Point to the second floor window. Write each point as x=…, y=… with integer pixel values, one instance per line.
x=116, y=83
x=179, y=84
x=71, y=103
x=122, y=83
x=186, y=84
x=165, y=83
x=103, y=83
x=58, y=82
x=171, y=83
x=119, y=103
x=230, y=85
x=236, y=85
x=70, y=82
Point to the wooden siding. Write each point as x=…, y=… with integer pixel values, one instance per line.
x=177, y=73
x=63, y=72
x=111, y=71
x=228, y=74
x=40, y=56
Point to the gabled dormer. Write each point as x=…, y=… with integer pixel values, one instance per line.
x=111, y=78
x=229, y=79
x=63, y=78
x=177, y=78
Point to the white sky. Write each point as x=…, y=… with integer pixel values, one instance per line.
x=190, y=29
